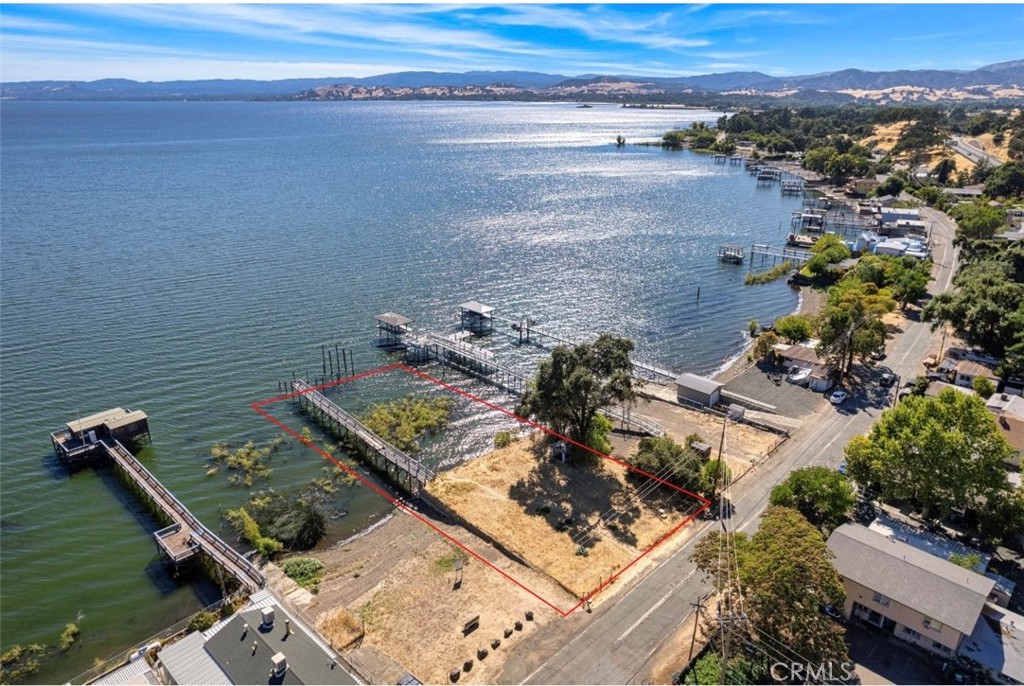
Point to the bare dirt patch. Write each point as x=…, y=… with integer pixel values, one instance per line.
x=398, y=583
x=745, y=445
x=580, y=521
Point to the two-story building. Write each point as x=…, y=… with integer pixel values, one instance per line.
x=919, y=598
x=927, y=601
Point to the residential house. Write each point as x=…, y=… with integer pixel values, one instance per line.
x=917, y=597
x=906, y=587
x=891, y=215
x=861, y=187
x=263, y=644
x=968, y=370
x=806, y=357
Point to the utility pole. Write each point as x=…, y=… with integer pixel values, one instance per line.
x=699, y=608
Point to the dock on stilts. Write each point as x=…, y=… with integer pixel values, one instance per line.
x=388, y=457
x=100, y=436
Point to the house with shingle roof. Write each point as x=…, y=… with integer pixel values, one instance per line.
x=918, y=597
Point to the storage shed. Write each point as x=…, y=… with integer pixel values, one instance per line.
x=701, y=390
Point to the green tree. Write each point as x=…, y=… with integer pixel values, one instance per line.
x=893, y=186
x=851, y=321
x=843, y=167
x=794, y=327
x=987, y=306
x=983, y=387
x=939, y=453
x=765, y=345
x=714, y=475
x=977, y=220
x=703, y=140
x=944, y=169
x=785, y=575
x=666, y=459
x=911, y=286
x=1006, y=181
x=571, y=386
x=824, y=496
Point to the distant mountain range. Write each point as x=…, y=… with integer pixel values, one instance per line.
x=1003, y=80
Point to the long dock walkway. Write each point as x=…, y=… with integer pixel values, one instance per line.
x=526, y=329
x=789, y=254
x=186, y=535
x=391, y=455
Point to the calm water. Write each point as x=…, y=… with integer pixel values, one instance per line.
x=182, y=258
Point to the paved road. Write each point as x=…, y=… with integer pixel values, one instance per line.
x=614, y=644
x=973, y=153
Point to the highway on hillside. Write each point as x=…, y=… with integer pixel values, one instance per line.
x=973, y=152
x=615, y=644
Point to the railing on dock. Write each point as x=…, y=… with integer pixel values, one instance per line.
x=786, y=254
x=392, y=455
x=186, y=530
x=642, y=423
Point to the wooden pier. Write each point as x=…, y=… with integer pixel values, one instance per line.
x=454, y=352
x=99, y=436
x=393, y=459
x=794, y=255
x=391, y=328
x=793, y=187
x=731, y=253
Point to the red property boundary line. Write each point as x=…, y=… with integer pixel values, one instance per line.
x=258, y=407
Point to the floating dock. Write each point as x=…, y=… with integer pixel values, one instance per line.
x=100, y=436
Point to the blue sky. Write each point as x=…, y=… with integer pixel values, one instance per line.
x=273, y=41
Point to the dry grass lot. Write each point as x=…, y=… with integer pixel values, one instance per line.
x=399, y=583
x=576, y=522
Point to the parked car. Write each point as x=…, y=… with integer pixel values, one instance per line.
x=838, y=397
x=887, y=380
x=842, y=469
x=878, y=355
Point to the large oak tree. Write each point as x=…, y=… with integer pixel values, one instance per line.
x=575, y=383
x=940, y=453
x=785, y=576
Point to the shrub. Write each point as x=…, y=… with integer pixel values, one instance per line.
x=983, y=386
x=305, y=571
x=201, y=621
x=504, y=439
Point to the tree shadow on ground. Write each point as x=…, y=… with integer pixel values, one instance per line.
x=575, y=496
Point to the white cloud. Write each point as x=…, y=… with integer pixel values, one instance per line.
x=598, y=23
x=174, y=68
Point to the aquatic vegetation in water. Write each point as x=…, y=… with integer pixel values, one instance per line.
x=401, y=422
x=69, y=636
x=272, y=521
x=19, y=662
x=248, y=462
x=776, y=272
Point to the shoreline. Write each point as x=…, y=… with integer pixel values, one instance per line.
x=809, y=302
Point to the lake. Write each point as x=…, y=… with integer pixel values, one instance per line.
x=184, y=258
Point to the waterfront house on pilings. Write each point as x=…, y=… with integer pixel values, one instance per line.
x=476, y=317
x=79, y=438
x=391, y=328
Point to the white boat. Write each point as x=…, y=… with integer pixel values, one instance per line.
x=799, y=241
